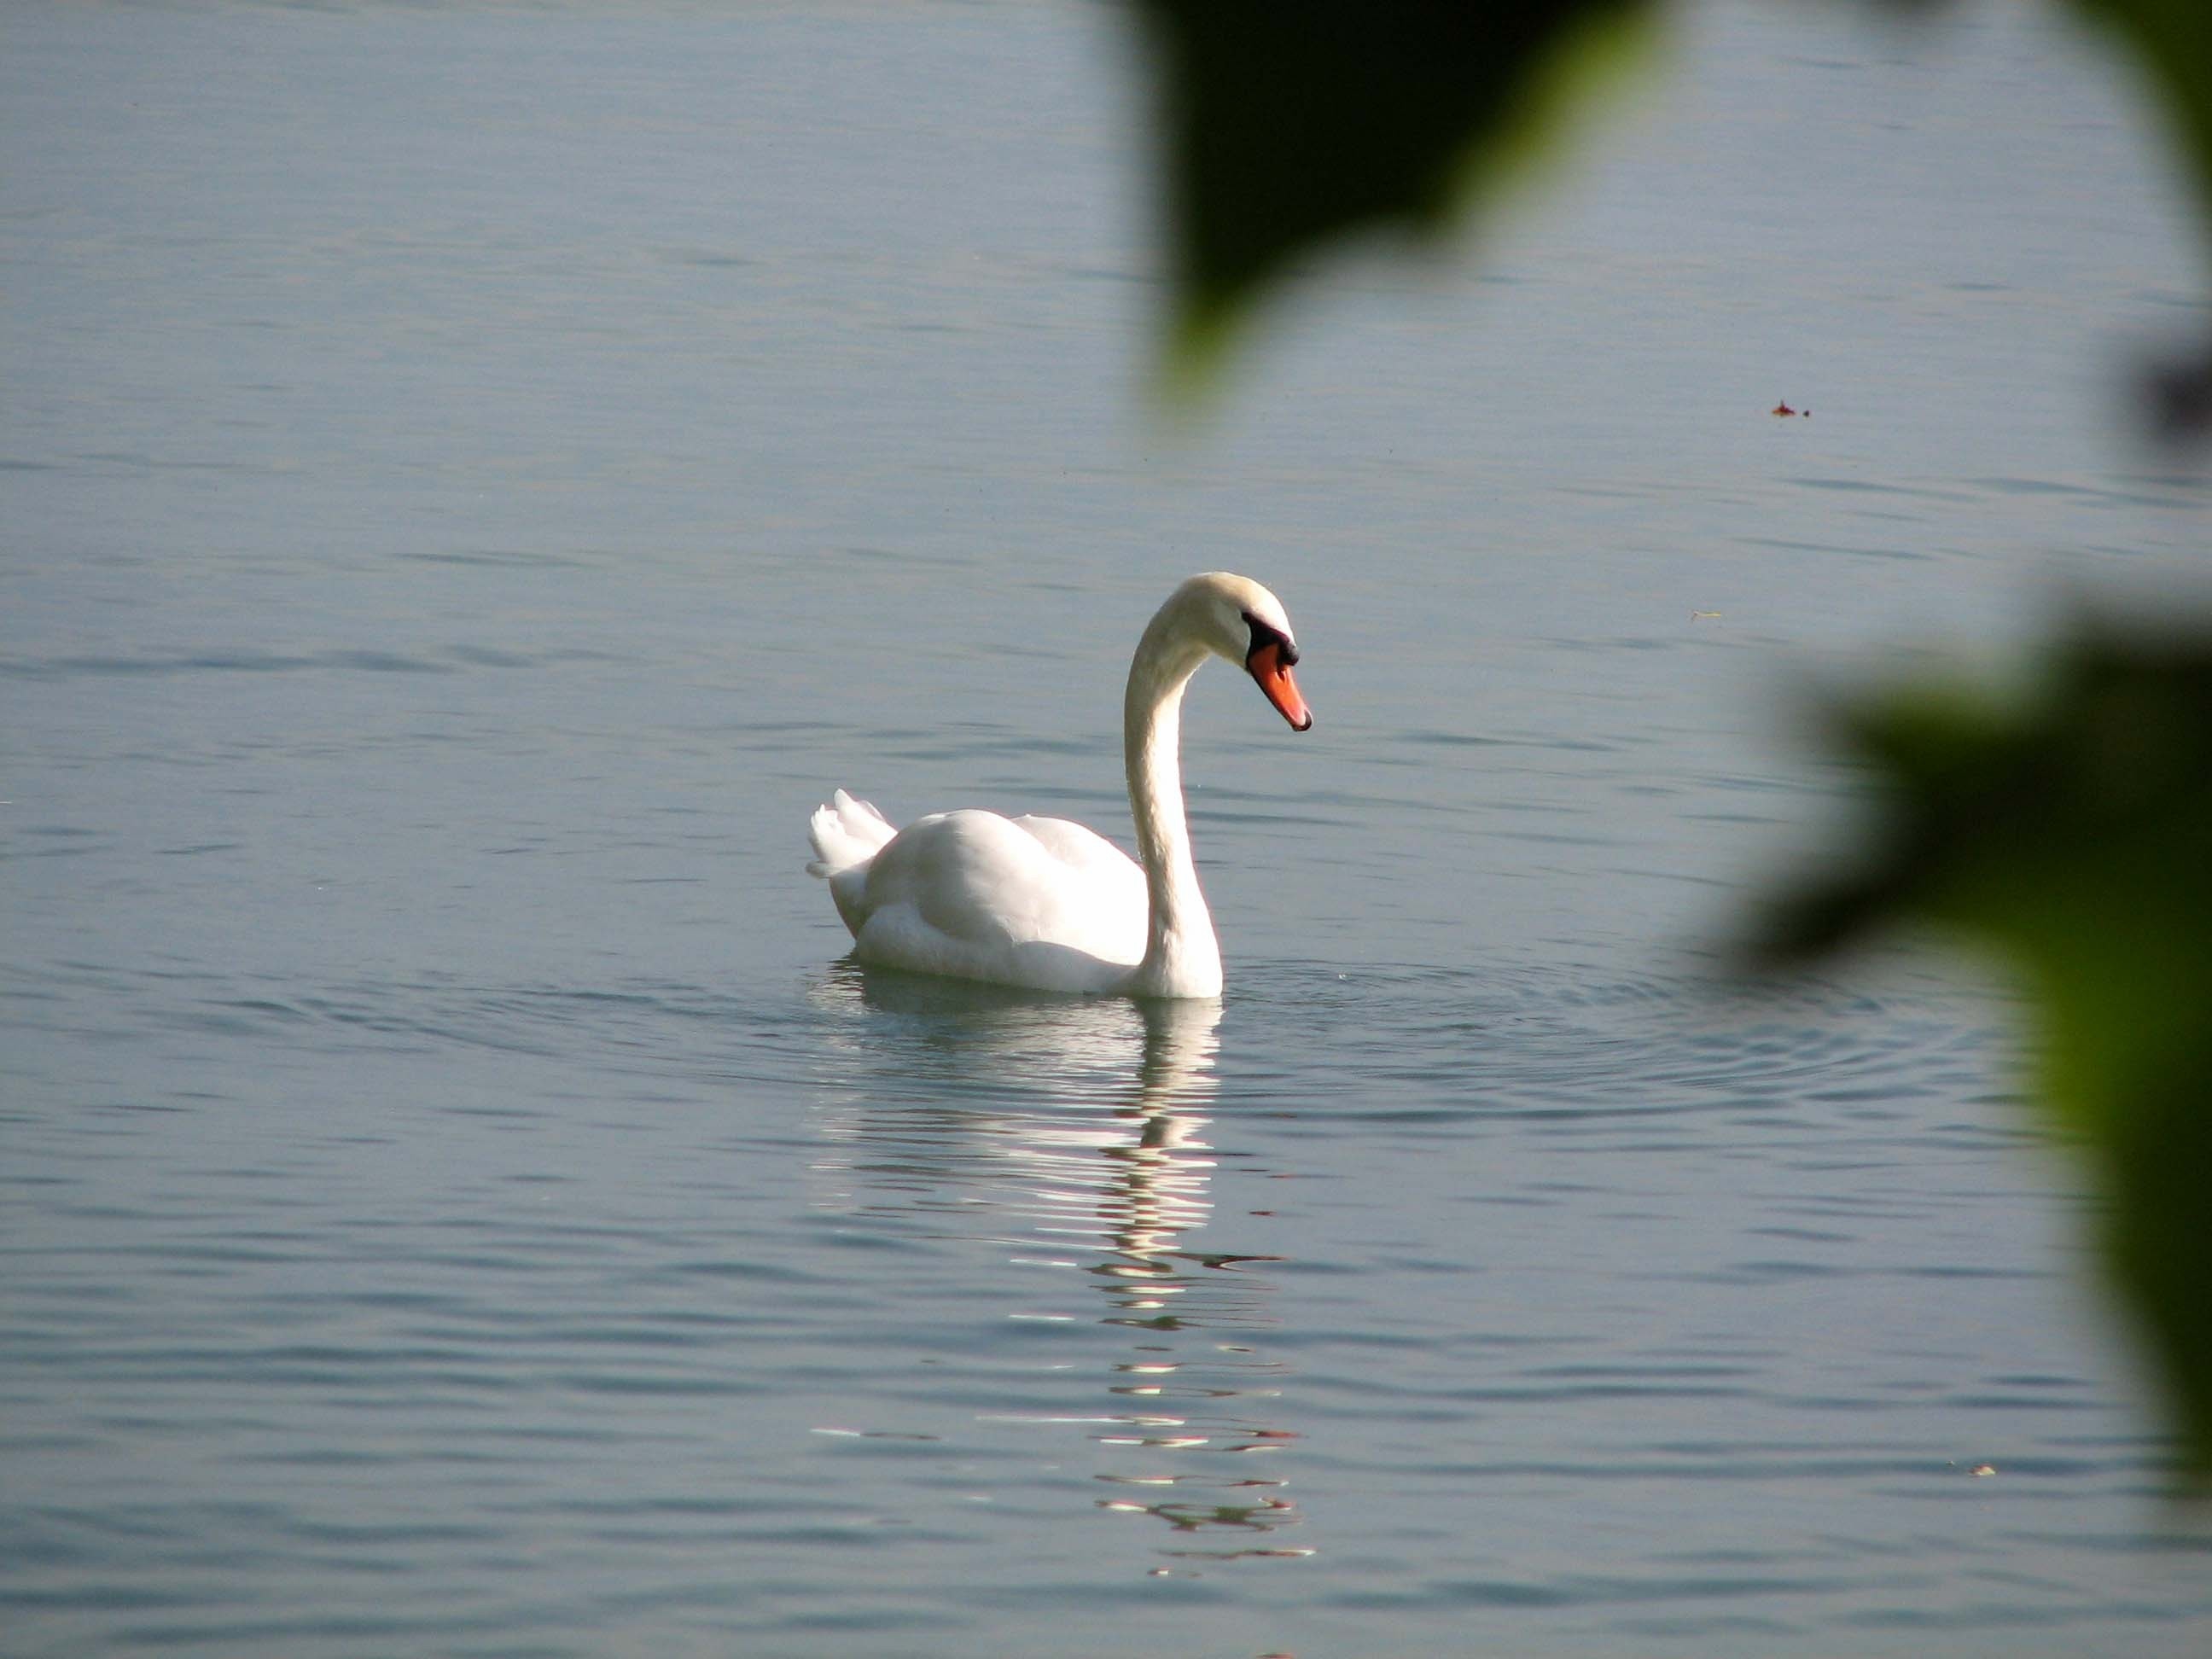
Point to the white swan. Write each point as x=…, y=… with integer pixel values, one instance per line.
x=1048, y=905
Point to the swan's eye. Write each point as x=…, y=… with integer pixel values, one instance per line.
x=1262, y=634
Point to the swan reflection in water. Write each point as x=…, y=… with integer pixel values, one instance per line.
x=1087, y=1154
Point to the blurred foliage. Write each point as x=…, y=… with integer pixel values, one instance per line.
x=2170, y=44
x=1290, y=123
x=2073, y=834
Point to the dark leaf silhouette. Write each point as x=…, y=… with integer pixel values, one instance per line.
x=2073, y=835
x=1289, y=124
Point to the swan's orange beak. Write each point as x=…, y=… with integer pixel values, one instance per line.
x=1266, y=665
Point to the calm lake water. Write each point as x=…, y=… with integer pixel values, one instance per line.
x=475, y=479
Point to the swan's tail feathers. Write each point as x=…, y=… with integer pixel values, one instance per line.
x=846, y=832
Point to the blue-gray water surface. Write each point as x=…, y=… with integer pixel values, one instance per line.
x=474, y=479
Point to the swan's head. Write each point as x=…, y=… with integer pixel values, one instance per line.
x=1234, y=616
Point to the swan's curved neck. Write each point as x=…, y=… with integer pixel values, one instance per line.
x=1182, y=957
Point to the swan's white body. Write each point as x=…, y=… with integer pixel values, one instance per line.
x=1048, y=904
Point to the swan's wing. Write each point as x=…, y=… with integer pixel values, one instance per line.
x=956, y=884
x=1102, y=905
x=1081, y=848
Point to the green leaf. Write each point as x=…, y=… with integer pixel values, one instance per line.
x=2071, y=832
x=2171, y=41
x=1289, y=124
